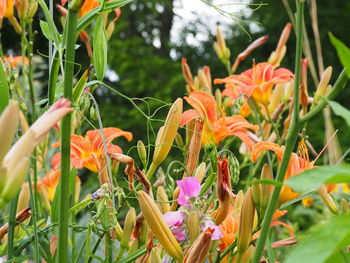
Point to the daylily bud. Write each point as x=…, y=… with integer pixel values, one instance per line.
x=163, y=200
x=276, y=97
x=193, y=226
x=277, y=56
x=200, y=248
x=33, y=9
x=328, y=200
x=204, y=79
x=155, y=256
x=243, y=55
x=265, y=188
x=246, y=223
x=157, y=224
x=166, y=135
x=220, y=47
x=141, y=149
x=239, y=200
x=14, y=180
x=23, y=199
x=200, y=171
x=189, y=131
x=194, y=148
x=8, y=127
x=322, y=86
x=179, y=141
x=129, y=225
x=256, y=193
x=218, y=97
x=109, y=30
x=186, y=71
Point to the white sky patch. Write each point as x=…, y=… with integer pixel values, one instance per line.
x=189, y=11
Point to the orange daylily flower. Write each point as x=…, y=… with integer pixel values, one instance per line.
x=6, y=9
x=258, y=81
x=296, y=166
x=235, y=92
x=50, y=182
x=88, y=6
x=87, y=151
x=16, y=60
x=217, y=126
x=229, y=227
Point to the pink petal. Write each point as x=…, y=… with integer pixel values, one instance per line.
x=210, y=224
x=189, y=188
x=175, y=218
x=179, y=233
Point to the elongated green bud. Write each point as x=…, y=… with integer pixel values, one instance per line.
x=246, y=223
x=129, y=225
x=193, y=226
x=157, y=224
x=141, y=149
x=163, y=200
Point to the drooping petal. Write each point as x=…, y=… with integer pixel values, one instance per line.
x=94, y=136
x=189, y=188
x=174, y=218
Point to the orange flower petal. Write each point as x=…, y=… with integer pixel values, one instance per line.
x=263, y=146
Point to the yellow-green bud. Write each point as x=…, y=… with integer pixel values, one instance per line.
x=129, y=225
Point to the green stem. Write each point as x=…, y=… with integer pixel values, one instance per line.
x=34, y=210
x=65, y=139
x=291, y=139
x=151, y=170
x=11, y=229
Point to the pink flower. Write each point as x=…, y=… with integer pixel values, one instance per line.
x=174, y=220
x=210, y=224
x=190, y=187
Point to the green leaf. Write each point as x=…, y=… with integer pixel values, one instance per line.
x=4, y=89
x=340, y=111
x=79, y=87
x=323, y=242
x=50, y=24
x=100, y=49
x=46, y=30
x=312, y=179
x=343, y=53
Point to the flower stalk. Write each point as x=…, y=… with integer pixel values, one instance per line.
x=291, y=138
x=71, y=25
